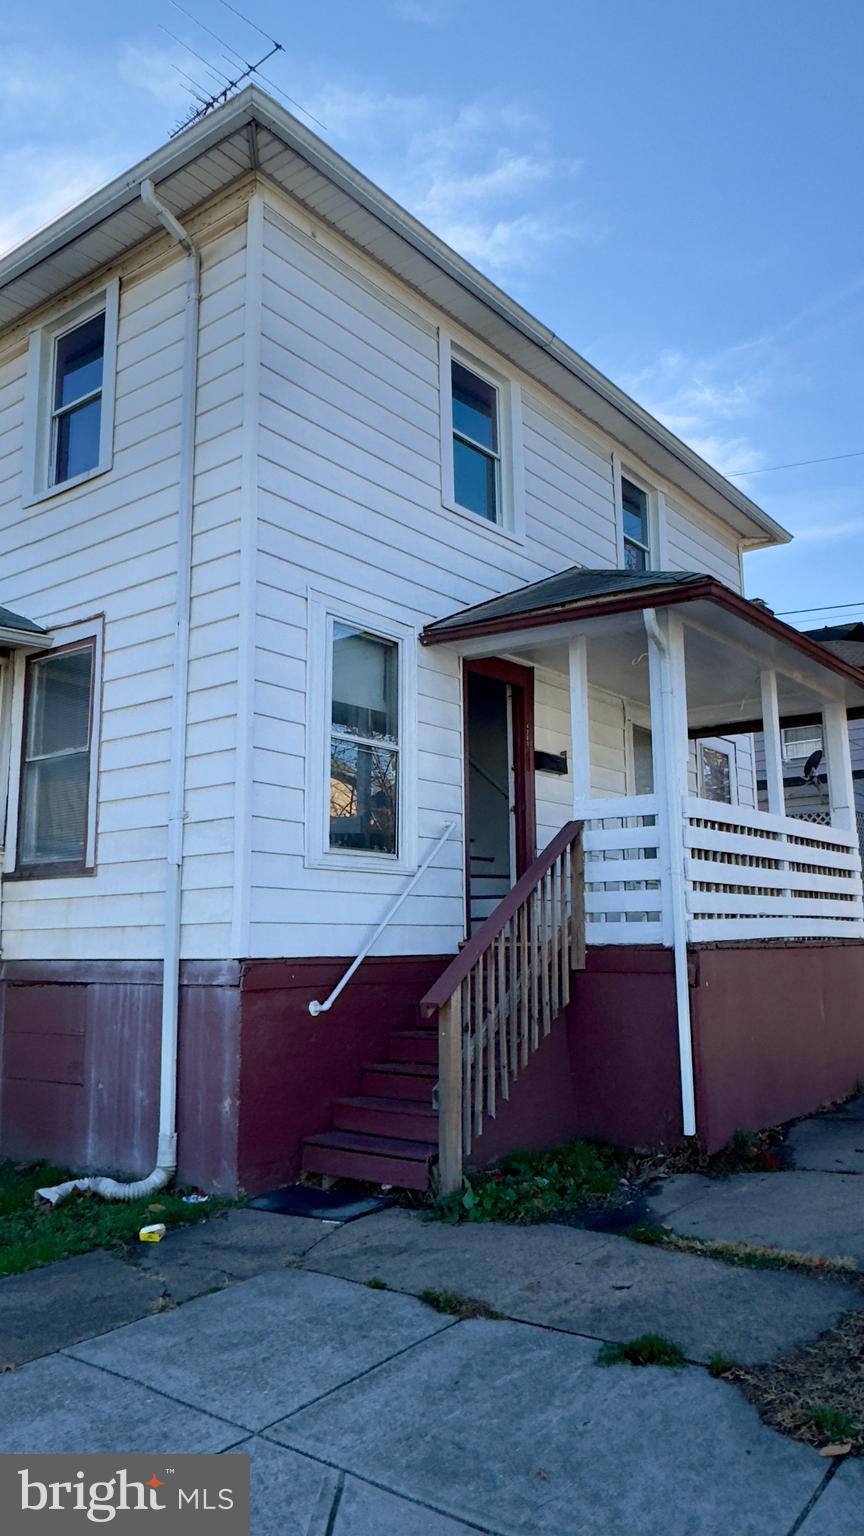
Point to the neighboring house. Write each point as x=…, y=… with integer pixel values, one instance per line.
x=340, y=593
x=808, y=796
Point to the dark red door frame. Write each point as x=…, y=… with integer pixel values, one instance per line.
x=521, y=683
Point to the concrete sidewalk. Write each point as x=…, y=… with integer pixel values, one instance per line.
x=368, y=1413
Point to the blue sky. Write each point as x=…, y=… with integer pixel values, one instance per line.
x=672, y=185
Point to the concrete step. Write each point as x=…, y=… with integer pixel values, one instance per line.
x=376, y=1115
x=414, y=1045
x=374, y=1159
x=400, y=1080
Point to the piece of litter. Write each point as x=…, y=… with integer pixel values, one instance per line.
x=152, y=1234
x=837, y=1450
x=197, y=1199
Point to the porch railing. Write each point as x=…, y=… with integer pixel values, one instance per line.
x=500, y=996
x=757, y=876
x=625, y=897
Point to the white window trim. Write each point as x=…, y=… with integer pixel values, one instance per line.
x=510, y=457
x=38, y=405
x=324, y=611
x=62, y=635
x=656, y=514
x=718, y=744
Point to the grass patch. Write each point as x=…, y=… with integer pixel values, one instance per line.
x=30, y=1238
x=530, y=1186
x=648, y=1349
x=454, y=1305
x=744, y=1255
x=376, y=1284
x=720, y=1365
x=815, y=1394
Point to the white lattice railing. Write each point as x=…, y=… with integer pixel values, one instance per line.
x=756, y=876
x=625, y=900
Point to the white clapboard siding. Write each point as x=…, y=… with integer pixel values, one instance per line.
x=109, y=547
x=696, y=541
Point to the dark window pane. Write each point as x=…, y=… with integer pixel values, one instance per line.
x=365, y=684
x=635, y=559
x=54, y=824
x=58, y=702
x=475, y=407
x=643, y=763
x=716, y=775
x=79, y=361
x=475, y=480
x=635, y=506
x=77, y=448
x=362, y=797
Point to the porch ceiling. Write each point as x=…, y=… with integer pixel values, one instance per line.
x=728, y=642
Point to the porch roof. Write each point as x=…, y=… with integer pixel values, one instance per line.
x=16, y=630
x=730, y=640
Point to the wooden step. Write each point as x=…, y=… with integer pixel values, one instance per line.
x=378, y=1116
x=400, y=1080
x=414, y=1045
x=374, y=1159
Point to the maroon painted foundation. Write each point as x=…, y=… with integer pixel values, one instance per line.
x=776, y=1032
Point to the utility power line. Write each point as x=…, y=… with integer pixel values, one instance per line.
x=770, y=469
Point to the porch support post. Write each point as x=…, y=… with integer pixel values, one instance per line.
x=773, y=743
x=580, y=739
x=838, y=757
x=671, y=755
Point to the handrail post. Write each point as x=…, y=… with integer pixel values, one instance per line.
x=577, y=865
x=450, y=1094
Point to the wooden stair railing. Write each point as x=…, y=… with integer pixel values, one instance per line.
x=502, y=993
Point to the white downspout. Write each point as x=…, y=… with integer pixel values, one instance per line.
x=675, y=848
x=166, y=1151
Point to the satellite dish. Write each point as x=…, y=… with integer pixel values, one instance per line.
x=812, y=763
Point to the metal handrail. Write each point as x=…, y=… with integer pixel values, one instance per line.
x=315, y=1007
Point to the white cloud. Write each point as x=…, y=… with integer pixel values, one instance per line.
x=708, y=401
x=413, y=10
x=486, y=179
x=39, y=186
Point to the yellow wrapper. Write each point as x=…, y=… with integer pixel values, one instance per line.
x=152, y=1234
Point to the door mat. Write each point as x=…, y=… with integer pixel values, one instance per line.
x=321, y=1204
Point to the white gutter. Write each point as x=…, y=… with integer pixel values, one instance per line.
x=675, y=864
x=166, y=1150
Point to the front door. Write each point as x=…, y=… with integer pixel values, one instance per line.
x=499, y=781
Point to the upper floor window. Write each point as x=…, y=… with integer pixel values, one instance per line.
x=364, y=741
x=636, y=515
x=476, y=439
x=481, y=441
x=79, y=358
x=54, y=796
x=70, y=397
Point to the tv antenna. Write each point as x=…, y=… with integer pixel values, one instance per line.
x=227, y=81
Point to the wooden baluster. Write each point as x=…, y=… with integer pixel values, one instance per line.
x=450, y=1095
x=501, y=1031
x=467, y=1065
x=553, y=942
x=479, y=1035
x=545, y=959
x=525, y=969
x=536, y=963
x=513, y=996
x=491, y=1032
x=577, y=901
x=563, y=888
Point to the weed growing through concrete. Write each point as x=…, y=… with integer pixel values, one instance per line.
x=530, y=1186
x=720, y=1365
x=452, y=1304
x=744, y=1255
x=648, y=1349
x=376, y=1284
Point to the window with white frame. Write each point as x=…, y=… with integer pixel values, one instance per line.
x=70, y=396
x=364, y=741
x=361, y=794
x=636, y=520
x=800, y=742
x=55, y=807
x=717, y=772
x=476, y=442
x=481, y=445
